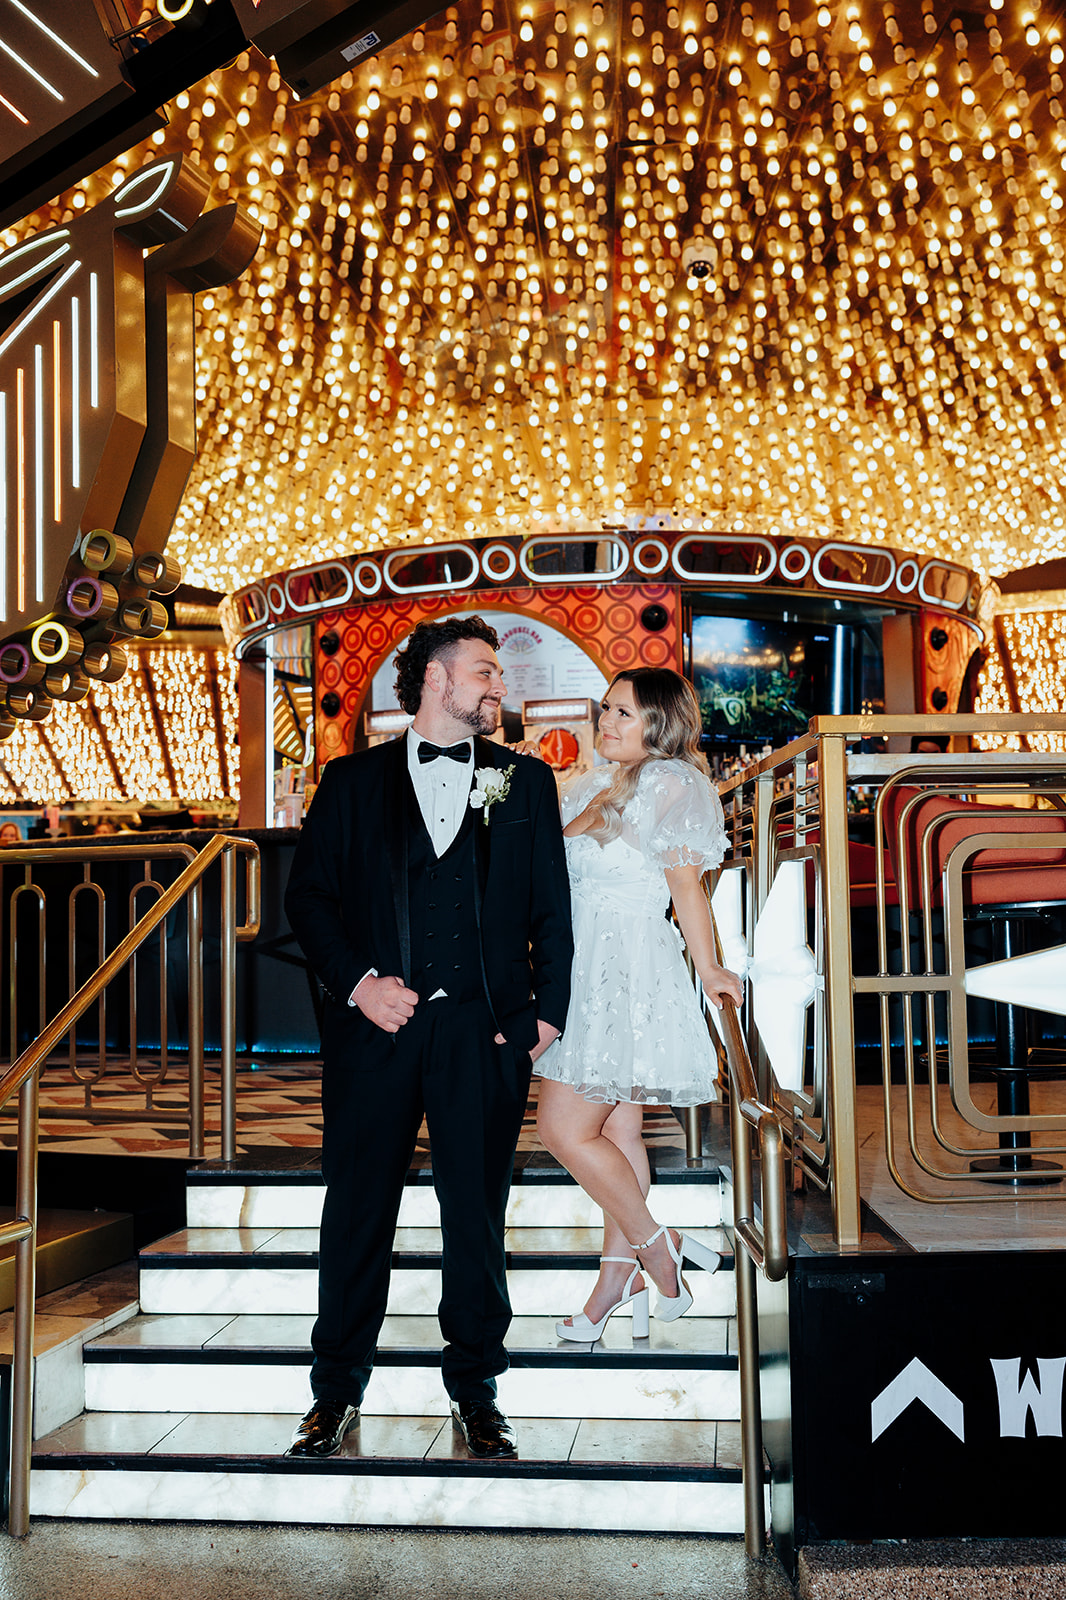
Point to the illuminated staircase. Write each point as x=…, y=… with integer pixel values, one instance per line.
x=190, y=1404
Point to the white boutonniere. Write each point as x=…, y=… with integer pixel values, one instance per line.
x=490, y=785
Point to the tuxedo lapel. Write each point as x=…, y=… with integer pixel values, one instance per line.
x=397, y=847
x=486, y=754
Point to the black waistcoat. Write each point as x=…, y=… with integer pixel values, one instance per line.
x=445, y=943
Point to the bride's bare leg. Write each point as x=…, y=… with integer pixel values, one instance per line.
x=624, y=1127
x=575, y=1132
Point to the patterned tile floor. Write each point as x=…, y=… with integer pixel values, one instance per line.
x=278, y=1105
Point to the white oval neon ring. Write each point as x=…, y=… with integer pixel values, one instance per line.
x=907, y=575
x=330, y=600
x=366, y=575
x=785, y=563
x=661, y=554
x=509, y=557
x=850, y=549
x=750, y=539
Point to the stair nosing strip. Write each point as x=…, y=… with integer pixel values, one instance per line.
x=403, y=1260
x=292, y=1356
x=367, y=1466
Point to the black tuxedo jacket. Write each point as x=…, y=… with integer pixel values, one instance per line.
x=347, y=898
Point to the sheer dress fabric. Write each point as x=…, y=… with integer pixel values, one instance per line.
x=635, y=1030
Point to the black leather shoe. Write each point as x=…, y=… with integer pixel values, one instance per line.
x=322, y=1430
x=484, y=1427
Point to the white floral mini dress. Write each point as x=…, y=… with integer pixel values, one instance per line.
x=635, y=1030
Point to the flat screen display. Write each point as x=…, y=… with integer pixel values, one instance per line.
x=759, y=681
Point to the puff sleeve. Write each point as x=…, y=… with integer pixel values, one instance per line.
x=577, y=792
x=679, y=820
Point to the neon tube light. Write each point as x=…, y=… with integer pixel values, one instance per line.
x=17, y=59
x=20, y=488
x=38, y=468
x=61, y=239
x=36, y=309
x=62, y=43
x=14, y=110
x=3, y=506
x=75, y=393
x=57, y=424
x=94, y=334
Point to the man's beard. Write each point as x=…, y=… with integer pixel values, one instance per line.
x=482, y=717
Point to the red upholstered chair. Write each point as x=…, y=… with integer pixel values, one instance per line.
x=1008, y=889
x=862, y=874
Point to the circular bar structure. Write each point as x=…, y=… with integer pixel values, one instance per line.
x=626, y=597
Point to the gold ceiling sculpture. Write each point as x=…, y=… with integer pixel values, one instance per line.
x=97, y=425
x=474, y=310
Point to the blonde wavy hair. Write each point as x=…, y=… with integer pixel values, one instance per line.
x=671, y=726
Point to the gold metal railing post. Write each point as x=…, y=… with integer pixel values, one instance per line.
x=840, y=1022
x=229, y=1005
x=22, y=1357
x=196, y=1021
x=22, y=1078
x=748, y=1341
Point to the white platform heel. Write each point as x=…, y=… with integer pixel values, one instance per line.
x=668, y=1308
x=583, y=1331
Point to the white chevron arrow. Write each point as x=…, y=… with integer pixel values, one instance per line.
x=916, y=1382
x=1038, y=980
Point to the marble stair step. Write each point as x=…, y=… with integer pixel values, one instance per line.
x=558, y=1204
x=551, y=1271
x=283, y=1188
x=575, y=1472
x=686, y=1369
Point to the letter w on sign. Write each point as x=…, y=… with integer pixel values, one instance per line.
x=1018, y=1396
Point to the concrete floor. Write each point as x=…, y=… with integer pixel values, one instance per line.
x=197, y=1561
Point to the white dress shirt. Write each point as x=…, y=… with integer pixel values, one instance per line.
x=442, y=789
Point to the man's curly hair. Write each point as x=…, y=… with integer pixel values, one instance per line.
x=434, y=641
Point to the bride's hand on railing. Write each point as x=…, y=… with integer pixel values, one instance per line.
x=719, y=983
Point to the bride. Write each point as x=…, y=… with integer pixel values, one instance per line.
x=639, y=833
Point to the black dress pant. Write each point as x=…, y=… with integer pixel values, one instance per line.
x=376, y=1087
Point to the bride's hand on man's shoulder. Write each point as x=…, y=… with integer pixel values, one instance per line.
x=526, y=747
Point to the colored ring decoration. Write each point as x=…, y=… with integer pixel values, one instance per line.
x=787, y=561
x=56, y=645
x=106, y=662
x=134, y=616
x=907, y=575
x=84, y=597
x=276, y=598
x=489, y=558
x=29, y=704
x=660, y=556
x=14, y=663
x=367, y=577
x=156, y=571
x=102, y=551
x=65, y=683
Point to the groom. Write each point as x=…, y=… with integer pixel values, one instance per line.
x=440, y=929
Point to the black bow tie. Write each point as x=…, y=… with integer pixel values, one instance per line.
x=455, y=752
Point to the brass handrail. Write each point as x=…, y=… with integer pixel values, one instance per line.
x=22, y=1078
x=757, y=1246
